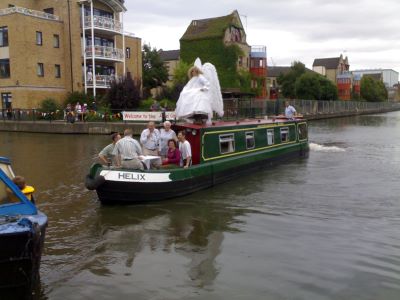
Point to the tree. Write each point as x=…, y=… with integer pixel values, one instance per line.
x=181, y=73
x=288, y=81
x=155, y=73
x=328, y=89
x=124, y=93
x=307, y=86
x=372, y=90
x=304, y=84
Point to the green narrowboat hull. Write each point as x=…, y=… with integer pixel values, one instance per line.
x=119, y=185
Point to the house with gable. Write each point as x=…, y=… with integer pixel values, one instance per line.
x=222, y=42
x=336, y=69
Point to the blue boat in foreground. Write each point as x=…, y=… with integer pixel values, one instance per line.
x=22, y=233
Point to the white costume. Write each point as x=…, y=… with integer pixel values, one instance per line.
x=201, y=95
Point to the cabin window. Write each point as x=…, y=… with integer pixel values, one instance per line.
x=303, y=131
x=270, y=137
x=284, y=134
x=250, y=143
x=226, y=143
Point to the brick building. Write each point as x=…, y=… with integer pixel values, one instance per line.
x=50, y=48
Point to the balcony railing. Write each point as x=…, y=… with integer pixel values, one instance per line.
x=102, y=81
x=105, y=53
x=103, y=23
x=28, y=12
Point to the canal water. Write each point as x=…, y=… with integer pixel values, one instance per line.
x=324, y=227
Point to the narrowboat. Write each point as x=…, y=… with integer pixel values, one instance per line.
x=220, y=151
x=22, y=233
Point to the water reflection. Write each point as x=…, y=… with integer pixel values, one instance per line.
x=191, y=229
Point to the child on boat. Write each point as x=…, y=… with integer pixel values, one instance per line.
x=27, y=190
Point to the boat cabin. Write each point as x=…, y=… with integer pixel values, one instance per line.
x=229, y=139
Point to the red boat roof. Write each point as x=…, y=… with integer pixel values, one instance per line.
x=270, y=120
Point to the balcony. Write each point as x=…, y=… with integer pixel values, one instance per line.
x=258, y=51
x=105, y=53
x=103, y=23
x=28, y=12
x=102, y=81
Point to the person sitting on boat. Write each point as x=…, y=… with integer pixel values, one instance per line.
x=106, y=155
x=201, y=95
x=27, y=190
x=127, y=152
x=166, y=134
x=290, y=111
x=185, y=149
x=173, y=158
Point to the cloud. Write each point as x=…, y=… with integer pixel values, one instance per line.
x=367, y=31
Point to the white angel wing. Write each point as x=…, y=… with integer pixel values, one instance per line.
x=211, y=75
x=197, y=63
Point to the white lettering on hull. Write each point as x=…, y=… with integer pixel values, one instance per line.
x=135, y=176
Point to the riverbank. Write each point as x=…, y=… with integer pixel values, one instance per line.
x=62, y=127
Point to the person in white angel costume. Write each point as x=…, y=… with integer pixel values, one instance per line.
x=201, y=95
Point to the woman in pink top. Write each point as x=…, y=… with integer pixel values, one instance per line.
x=173, y=154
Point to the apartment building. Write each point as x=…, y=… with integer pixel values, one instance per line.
x=49, y=48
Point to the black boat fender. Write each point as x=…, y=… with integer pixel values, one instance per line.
x=94, y=183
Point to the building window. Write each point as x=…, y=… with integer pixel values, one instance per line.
x=49, y=10
x=270, y=137
x=4, y=68
x=250, y=143
x=284, y=134
x=3, y=36
x=40, y=70
x=11, y=5
x=6, y=100
x=226, y=143
x=39, y=40
x=128, y=52
x=57, y=69
x=56, y=41
x=240, y=62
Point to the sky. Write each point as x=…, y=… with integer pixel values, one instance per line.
x=366, y=31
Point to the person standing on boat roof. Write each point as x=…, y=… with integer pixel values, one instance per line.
x=127, y=152
x=166, y=134
x=106, y=155
x=185, y=149
x=290, y=111
x=150, y=139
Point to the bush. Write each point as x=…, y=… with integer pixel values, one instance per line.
x=80, y=97
x=49, y=105
x=145, y=104
x=171, y=92
x=124, y=93
x=50, y=109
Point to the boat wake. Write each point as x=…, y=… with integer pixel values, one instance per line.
x=324, y=148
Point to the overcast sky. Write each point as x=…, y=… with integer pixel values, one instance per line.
x=367, y=31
